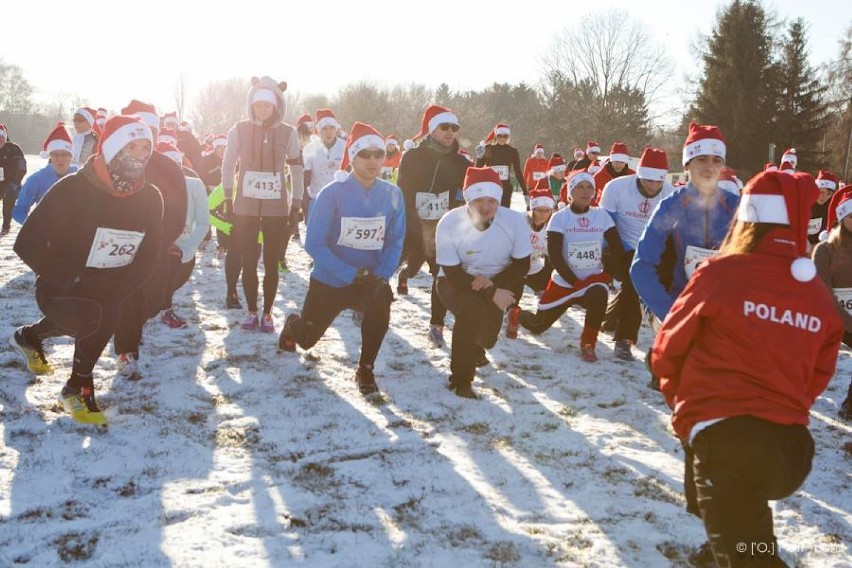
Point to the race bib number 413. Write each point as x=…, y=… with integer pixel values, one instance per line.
x=431, y=206
x=585, y=255
x=262, y=185
x=362, y=233
x=113, y=248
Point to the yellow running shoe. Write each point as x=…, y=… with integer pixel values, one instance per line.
x=33, y=354
x=80, y=403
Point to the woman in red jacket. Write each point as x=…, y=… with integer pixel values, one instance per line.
x=740, y=395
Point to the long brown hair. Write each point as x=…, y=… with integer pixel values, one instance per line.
x=743, y=237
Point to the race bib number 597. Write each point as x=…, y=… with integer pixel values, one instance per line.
x=362, y=233
x=113, y=248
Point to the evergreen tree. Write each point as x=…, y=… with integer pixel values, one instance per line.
x=738, y=90
x=839, y=96
x=802, y=111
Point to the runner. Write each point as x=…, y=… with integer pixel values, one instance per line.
x=630, y=200
x=392, y=159
x=57, y=147
x=322, y=157
x=536, y=166
x=502, y=157
x=85, y=141
x=355, y=239
x=588, y=159
x=484, y=251
x=556, y=170
x=430, y=177
x=188, y=144
x=92, y=242
x=615, y=167
x=13, y=168
x=577, y=237
x=263, y=146
x=827, y=184
x=578, y=154
x=789, y=161
x=741, y=365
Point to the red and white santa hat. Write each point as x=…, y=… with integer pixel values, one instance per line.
x=219, y=140
x=653, y=165
x=170, y=120
x=305, y=120
x=703, y=140
x=619, y=152
x=839, y=207
x=89, y=114
x=170, y=151
x=499, y=130
x=465, y=153
x=481, y=182
x=785, y=199
x=728, y=181
x=789, y=157
x=593, y=147
x=57, y=141
x=184, y=126
x=826, y=180
x=167, y=135
x=542, y=197
x=578, y=177
x=579, y=153
x=3, y=132
x=391, y=141
x=770, y=167
x=325, y=117
x=556, y=165
x=147, y=112
x=121, y=130
x=434, y=116
x=538, y=150
x=361, y=137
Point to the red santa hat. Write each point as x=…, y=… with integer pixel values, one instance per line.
x=391, y=141
x=361, y=137
x=184, y=126
x=579, y=153
x=121, y=130
x=770, y=167
x=464, y=152
x=57, y=141
x=619, y=152
x=147, y=112
x=170, y=151
x=839, y=207
x=306, y=120
x=789, y=157
x=170, y=120
x=482, y=182
x=542, y=184
x=826, y=180
x=556, y=164
x=167, y=135
x=3, y=132
x=578, y=177
x=703, y=140
x=325, y=117
x=499, y=130
x=594, y=168
x=89, y=114
x=593, y=147
x=538, y=150
x=434, y=116
x=542, y=197
x=653, y=165
x=785, y=199
x=219, y=140
x=728, y=181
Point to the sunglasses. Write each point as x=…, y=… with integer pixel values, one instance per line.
x=371, y=154
x=447, y=126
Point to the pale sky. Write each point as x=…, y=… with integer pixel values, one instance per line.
x=317, y=47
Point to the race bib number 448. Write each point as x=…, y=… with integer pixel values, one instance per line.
x=362, y=233
x=113, y=248
x=585, y=255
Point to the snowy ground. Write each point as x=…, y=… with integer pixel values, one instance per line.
x=229, y=453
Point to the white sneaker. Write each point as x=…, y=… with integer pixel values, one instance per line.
x=128, y=367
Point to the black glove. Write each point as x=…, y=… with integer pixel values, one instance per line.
x=228, y=210
x=295, y=213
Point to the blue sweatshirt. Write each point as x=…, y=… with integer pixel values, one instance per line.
x=683, y=216
x=374, y=220
x=34, y=189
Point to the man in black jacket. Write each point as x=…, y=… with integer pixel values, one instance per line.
x=13, y=168
x=430, y=176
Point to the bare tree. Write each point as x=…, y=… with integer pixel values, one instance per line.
x=220, y=105
x=15, y=91
x=180, y=90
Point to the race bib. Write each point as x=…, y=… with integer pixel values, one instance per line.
x=814, y=225
x=844, y=298
x=538, y=175
x=585, y=255
x=431, y=206
x=502, y=171
x=113, y=248
x=2, y=174
x=262, y=185
x=387, y=172
x=362, y=233
x=694, y=256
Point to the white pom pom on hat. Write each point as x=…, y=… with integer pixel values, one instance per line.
x=341, y=176
x=408, y=144
x=803, y=269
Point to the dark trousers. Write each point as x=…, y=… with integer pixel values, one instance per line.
x=624, y=308
x=740, y=464
x=245, y=233
x=323, y=303
x=506, y=201
x=233, y=266
x=179, y=274
x=145, y=303
x=9, y=197
x=538, y=281
x=89, y=322
x=594, y=300
x=478, y=323
x=438, y=309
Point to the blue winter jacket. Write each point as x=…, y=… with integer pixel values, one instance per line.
x=337, y=265
x=683, y=216
x=34, y=189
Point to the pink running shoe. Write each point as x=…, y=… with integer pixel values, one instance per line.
x=266, y=325
x=171, y=319
x=250, y=323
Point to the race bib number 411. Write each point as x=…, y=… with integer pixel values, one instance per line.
x=431, y=206
x=113, y=248
x=585, y=255
x=362, y=233
x=262, y=185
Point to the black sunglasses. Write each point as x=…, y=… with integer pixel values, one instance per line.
x=371, y=154
x=448, y=126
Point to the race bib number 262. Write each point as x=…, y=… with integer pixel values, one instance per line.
x=113, y=248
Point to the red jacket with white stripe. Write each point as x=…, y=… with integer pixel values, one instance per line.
x=745, y=338
x=532, y=166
